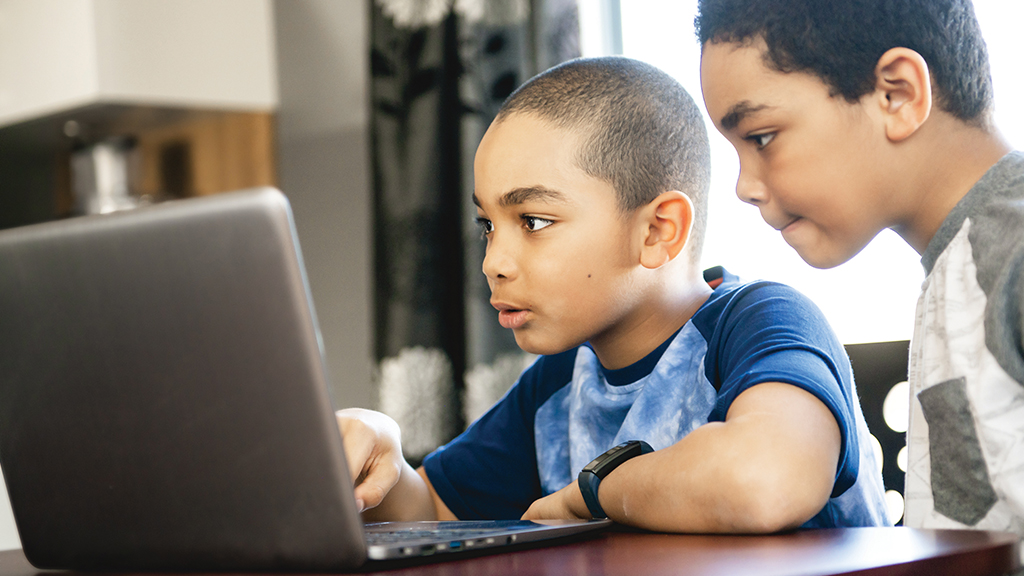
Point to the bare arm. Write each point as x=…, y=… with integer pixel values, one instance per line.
x=386, y=486
x=770, y=466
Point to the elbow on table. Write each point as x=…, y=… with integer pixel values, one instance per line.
x=767, y=502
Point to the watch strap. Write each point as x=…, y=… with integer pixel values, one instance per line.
x=590, y=477
x=589, y=482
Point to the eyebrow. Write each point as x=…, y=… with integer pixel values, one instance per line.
x=740, y=111
x=528, y=194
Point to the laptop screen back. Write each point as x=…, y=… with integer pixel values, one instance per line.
x=162, y=394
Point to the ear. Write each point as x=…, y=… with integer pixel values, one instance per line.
x=667, y=221
x=903, y=88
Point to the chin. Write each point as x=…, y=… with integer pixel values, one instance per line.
x=824, y=260
x=533, y=345
x=823, y=263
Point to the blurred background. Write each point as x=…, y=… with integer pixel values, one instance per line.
x=366, y=113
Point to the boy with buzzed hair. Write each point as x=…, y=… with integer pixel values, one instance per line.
x=852, y=117
x=590, y=187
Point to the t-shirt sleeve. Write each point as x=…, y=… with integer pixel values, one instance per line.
x=490, y=470
x=769, y=332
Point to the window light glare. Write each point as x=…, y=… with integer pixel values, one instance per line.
x=896, y=407
x=901, y=459
x=894, y=503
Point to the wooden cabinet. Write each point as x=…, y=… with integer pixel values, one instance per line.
x=194, y=82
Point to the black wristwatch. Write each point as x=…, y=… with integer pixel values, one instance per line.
x=592, y=474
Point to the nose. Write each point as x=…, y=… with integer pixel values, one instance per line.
x=749, y=186
x=499, y=260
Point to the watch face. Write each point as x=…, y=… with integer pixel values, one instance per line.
x=611, y=459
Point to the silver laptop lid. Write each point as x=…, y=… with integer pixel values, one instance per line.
x=162, y=393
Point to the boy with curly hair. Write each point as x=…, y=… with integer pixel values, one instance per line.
x=852, y=117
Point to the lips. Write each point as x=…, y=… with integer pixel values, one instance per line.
x=510, y=316
x=780, y=224
x=777, y=223
x=512, y=319
x=789, y=225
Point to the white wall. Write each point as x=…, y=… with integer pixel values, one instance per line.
x=324, y=169
x=47, y=57
x=194, y=53
x=61, y=54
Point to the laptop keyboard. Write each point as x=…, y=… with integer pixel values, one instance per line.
x=382, y=534
x=392, y=540
x=399, y=536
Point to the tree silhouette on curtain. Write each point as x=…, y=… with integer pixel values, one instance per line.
x=440, y=71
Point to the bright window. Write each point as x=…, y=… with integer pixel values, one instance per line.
x=870, y=298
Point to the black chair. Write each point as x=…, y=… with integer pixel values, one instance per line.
x=877, y=367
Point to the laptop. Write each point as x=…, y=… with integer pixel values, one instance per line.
x=164, y=403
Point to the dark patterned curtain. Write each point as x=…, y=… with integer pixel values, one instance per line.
x=441, y=69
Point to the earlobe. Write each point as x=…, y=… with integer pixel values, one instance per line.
x=904, y=91
x=667, y=221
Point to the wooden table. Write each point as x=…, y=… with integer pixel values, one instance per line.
x=862, y=551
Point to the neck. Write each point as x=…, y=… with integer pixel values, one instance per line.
x=651, y=323
x=945, y=166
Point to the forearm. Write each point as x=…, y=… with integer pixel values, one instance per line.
x=410, y=499
x=759, y=472
x=707, y=485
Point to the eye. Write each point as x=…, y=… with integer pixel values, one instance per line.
x=533, y=223
x=761, y=140
x=485, y=225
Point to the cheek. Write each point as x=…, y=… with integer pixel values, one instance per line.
x=581, y=266
x=571, y=282
x=568, y=278
x=806, y=181
x=564, y=259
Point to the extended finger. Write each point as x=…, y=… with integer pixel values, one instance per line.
x=358, y=443
x=381, y=477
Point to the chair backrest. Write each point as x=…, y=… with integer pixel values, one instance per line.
x=877, y=368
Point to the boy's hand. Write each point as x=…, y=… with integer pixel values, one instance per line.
x=373, y=448
x=567, y=503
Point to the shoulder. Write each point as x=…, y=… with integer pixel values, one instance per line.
x=996, y=202
x=995, y=251
x=732, y=292
x=747, y=322
x=996, y=238
x=737, y=308
x=996, y=227
x=995, y=209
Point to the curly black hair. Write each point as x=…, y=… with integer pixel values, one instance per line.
x=840, y=41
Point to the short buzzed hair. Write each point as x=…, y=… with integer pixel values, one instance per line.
x=642, y=132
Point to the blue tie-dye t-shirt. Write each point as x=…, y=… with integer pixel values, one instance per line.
x=566, y=409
